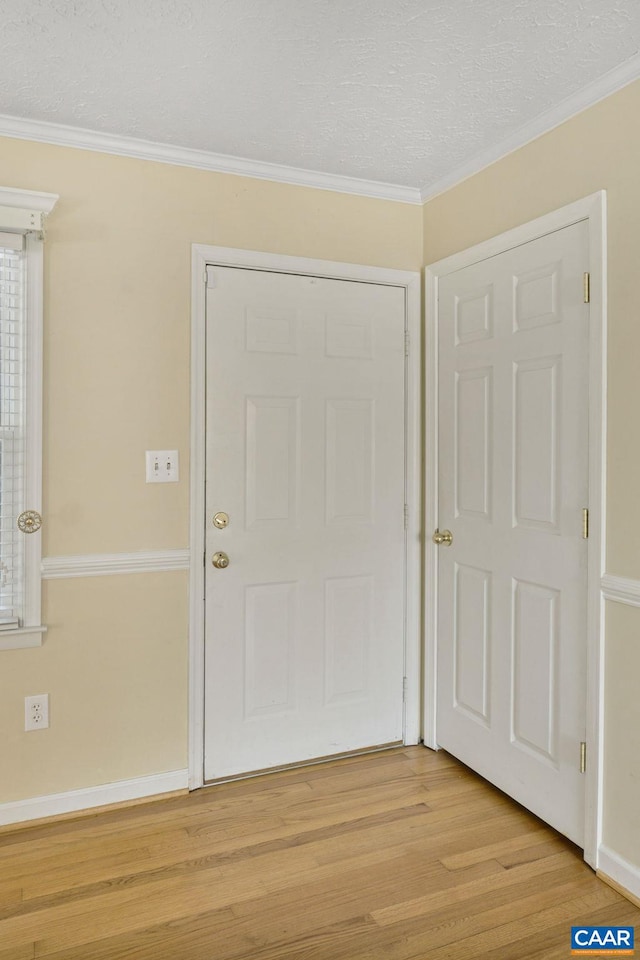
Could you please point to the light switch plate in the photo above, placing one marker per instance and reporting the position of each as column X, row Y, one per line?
column 162, row 466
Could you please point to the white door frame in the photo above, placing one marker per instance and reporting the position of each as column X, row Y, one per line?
column 202, row 256
column 593, row 210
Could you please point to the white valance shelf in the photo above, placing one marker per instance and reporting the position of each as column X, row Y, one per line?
column 23, row 211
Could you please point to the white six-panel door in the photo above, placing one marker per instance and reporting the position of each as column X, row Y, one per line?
column 513, row 483
column 304, row 643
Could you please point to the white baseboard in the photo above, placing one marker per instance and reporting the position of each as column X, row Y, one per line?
column 36, row 808
column 625, row 874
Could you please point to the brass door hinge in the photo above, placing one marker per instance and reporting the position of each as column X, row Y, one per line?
column 583, row 757
column 585, row 523
column 586, row 287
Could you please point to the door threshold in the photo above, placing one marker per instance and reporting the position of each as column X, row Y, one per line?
column 379, row 748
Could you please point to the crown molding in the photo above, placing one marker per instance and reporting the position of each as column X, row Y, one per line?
column 58, row 134
column 43, row 131
column 603, row 87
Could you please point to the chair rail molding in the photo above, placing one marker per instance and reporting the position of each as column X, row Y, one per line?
column 109, row 564
column 621, row 590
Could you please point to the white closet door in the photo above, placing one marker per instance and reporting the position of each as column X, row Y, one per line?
column 513, row 463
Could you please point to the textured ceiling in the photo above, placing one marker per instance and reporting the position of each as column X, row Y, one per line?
column 398, row 91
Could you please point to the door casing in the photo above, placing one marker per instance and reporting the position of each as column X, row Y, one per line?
column 203, row 256
column 593, row 210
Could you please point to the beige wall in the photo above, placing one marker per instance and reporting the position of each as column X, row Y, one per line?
column 622, row 740
column 117, row 383
column 117, row 335
column 114, row 665
column 598, row 149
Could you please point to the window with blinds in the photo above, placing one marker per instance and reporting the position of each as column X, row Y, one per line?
column 12, row 422
column 22, row 216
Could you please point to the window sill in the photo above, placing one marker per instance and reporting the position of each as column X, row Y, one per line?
column 21, row 638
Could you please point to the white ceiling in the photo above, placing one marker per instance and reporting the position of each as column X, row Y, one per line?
column 405, row 92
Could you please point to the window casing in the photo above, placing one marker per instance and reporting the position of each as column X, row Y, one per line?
column 21, row 287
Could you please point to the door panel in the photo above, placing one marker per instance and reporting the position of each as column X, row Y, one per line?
column 473, row 431
column 273, row 460
column 536, row 618
column 513, row 461
column 304, row 646
column 537, row 424
column 471, row 641
column 347, row 639
column 269, row 648
column 350, row 466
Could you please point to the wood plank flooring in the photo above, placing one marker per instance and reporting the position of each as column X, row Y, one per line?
column 396, row 855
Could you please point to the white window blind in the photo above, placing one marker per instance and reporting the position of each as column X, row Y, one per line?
column 22, row 216
column 12, row 428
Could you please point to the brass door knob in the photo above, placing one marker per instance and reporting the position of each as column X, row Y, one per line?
column 445, row 537
column 220, row 560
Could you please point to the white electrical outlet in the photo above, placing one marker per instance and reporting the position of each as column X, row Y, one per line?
column 36, row 712
column 162, row 466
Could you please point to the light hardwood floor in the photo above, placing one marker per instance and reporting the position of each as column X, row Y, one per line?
column 396, row 855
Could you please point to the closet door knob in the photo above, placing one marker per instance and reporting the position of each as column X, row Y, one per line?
column 445, row 537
